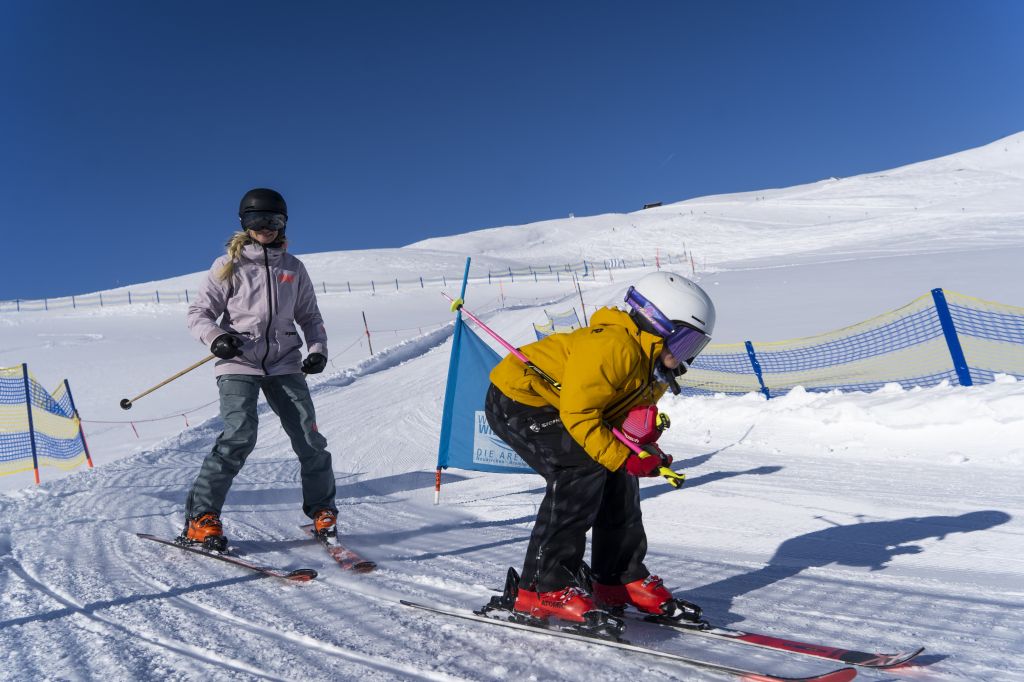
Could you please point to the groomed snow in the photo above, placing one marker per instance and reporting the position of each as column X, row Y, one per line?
column 881, row 521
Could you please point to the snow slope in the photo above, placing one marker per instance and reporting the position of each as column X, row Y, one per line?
column 881, row 520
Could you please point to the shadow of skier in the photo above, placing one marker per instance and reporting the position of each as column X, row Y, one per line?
column 870, row 545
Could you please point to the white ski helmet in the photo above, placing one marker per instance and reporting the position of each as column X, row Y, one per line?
column 679, row 299
column 673, row 307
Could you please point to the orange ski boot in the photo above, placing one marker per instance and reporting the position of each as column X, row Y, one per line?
column 325, row 523
column 206, row 530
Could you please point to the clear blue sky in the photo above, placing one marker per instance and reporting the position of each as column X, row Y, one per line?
column 131, row 129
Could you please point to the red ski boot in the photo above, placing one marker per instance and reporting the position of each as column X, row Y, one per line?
column 570, row 603
column 647, row 595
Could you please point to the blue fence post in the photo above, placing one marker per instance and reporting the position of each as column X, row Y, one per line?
column 129, row 297
column 349, row 285
column 31, row 424
column 421, row 282
column 73, row 304
column 101, row 299
column 963, row 372
column 373, row 286
column 396, row 284
column 157, row 295
column 757, row 369
column 186, row 296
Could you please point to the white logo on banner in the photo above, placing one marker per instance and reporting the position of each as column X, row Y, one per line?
column 490, row 450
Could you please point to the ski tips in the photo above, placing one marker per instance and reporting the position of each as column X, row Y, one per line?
column 302, row 575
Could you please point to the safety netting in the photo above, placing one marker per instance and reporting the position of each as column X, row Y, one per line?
column 557, row 322
column 37, row 427
column 941, row 336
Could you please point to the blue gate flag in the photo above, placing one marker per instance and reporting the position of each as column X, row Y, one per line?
column 467, row 441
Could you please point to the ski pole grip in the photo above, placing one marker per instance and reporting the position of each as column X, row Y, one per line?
column 673, row 478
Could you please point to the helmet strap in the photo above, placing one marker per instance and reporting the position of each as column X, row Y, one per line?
column 642, row 323
column 668, row 376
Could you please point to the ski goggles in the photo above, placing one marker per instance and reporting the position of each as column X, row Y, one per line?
column 264, row 220
column 682, row 341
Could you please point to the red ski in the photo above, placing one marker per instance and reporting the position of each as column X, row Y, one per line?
column 851, row 656
column 300, row 575
column 346, row 558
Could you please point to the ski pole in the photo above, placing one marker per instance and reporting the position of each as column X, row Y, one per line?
column 126, row 404
column 673, row 478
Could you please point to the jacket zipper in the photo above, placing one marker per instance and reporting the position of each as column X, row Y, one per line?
column 270, row 307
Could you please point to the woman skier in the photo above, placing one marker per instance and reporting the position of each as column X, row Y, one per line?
column 259, row 292
column 621, row 362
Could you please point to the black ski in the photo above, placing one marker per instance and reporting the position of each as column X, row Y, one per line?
column 839, row 675
column 298, row 575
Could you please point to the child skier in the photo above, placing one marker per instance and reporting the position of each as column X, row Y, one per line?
column 620, row 362
column 260, row 291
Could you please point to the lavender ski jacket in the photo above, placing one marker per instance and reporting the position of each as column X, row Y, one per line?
column 266, row 295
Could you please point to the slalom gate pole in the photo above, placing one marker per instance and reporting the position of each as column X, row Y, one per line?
column 78, row 418
column 449, row 391
column 126, row 404
column 671, row 477
column 31, row 423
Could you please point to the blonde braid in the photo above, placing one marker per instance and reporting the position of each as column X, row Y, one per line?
column 235, row 244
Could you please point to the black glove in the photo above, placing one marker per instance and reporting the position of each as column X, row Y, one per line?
column 227, row 346
column 314, row 363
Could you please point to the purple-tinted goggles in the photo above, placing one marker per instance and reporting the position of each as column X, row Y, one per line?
column 683, row 341
column 264, row 220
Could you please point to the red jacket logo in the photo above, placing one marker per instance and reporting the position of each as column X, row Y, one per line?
column 286, row 277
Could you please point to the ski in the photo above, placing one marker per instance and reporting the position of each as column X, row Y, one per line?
column 850, row 656
column 839, row 675
column 299, row 575
column 346, row 558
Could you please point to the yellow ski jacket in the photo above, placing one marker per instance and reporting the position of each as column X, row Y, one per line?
column 604, row 369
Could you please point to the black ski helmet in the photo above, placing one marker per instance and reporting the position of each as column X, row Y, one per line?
column 262, row 199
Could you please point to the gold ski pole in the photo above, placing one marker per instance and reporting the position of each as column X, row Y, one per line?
column 126, row 404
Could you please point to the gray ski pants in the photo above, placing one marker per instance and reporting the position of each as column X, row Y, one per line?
column 288, row 396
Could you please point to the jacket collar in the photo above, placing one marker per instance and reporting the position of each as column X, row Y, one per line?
column 651, row 344
column 254, row 252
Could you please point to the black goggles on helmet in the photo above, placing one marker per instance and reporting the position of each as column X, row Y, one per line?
column 264, row 220
column 682, row 341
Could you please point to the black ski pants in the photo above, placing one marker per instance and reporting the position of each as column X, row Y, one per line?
column 580, row 495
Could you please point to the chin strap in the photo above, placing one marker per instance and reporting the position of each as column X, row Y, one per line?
column 669, row 376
